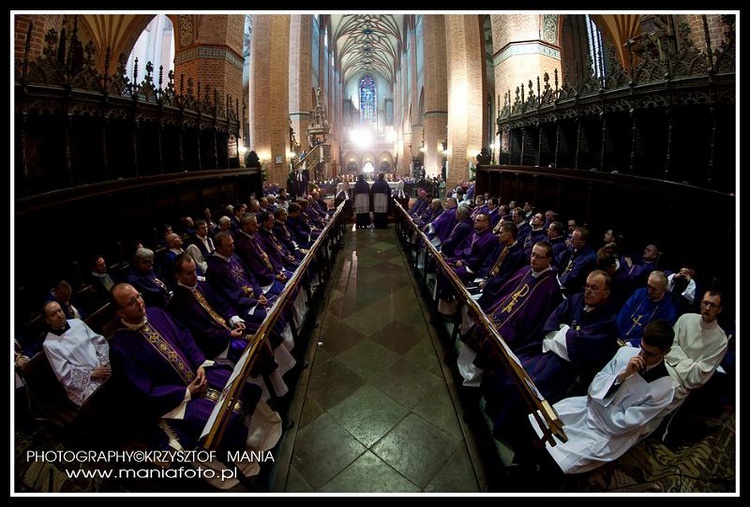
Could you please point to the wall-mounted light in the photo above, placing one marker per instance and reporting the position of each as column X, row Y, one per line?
column 264, row 155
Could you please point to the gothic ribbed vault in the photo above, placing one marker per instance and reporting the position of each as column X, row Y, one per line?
column 368, row 42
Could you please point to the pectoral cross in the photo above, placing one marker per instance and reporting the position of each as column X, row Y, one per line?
column 636, row 323
column 160, row 284
column 570, row 263
column 262, row 253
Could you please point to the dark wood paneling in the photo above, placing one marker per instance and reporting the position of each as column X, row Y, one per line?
column 689, row 224
column 111, row 217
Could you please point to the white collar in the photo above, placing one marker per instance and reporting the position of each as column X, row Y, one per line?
column 136, row 327
column 535, row 274
column 191, row 288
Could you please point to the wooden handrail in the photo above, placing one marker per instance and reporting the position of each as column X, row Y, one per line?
column 219, row 420
column 542, row 410
column 66, row 196
column 618, row 180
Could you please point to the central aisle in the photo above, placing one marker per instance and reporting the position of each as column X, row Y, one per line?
column 374, row 411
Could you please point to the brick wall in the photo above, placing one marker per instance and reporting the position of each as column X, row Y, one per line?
column 716, row 29
column 215, row 57
column 40, row 26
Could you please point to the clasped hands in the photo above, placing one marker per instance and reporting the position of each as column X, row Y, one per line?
column 199, row 384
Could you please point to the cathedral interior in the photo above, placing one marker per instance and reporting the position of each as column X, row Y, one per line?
column 122, row 123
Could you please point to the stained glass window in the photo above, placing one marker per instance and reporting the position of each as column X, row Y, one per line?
column 367, row 101
column 596, row 49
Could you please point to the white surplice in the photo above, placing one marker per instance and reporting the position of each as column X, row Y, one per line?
column 74, row 355
column 603, row 425
column 698, row 349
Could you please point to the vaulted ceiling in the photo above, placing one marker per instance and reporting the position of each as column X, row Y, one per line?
column 368, row 42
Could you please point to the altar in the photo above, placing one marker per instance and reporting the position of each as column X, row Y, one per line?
column 397, row 188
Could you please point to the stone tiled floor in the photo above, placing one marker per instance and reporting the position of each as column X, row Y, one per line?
column 374, row 411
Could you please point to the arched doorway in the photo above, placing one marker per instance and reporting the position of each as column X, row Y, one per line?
column 385, row 167
column 351, row 167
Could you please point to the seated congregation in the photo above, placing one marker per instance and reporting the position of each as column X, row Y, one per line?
column 160, row 338
column 614, row 339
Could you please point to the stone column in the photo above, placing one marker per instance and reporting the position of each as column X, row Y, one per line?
column 524, row 47
column 435, row 116
column 466, row 112
column 413, row 98
column 209, row 49
column 403, row 125
column 269, row 104
column 300, row 75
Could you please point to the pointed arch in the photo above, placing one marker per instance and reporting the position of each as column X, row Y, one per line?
column 155, row 44
column 118, row 34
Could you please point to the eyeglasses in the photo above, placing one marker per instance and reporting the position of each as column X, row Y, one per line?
column 647, row 353
column 133, row 301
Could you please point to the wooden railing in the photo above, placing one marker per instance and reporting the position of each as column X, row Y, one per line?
column 330, row 237
column 668, row 114
column 110, row 218
column 538, row 406
column 76, row 126
column 674, row 216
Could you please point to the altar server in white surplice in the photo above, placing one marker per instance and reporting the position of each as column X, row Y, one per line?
column 700, row 345
column 78, row 356
column 632, row 389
